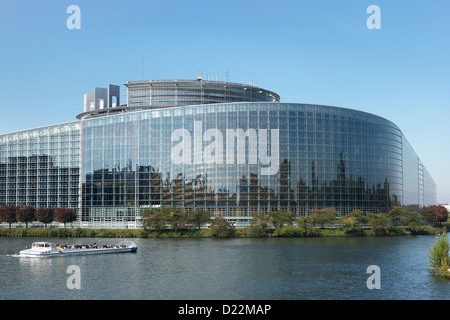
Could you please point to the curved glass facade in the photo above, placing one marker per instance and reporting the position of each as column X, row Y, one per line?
column 234, row 158
column 192, row 92
column 228, row 158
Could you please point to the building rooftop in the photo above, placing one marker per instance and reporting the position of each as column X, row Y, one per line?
column 150, row 94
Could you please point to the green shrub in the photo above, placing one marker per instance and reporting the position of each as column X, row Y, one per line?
column 438, row 257
column 379, row 231
column 332, row 232
column 62, row 233
column 311, row 232
column 78, row 232
column 396, row 231
column 423, row 230
column 90, row 233
column 256, row 232
column 355, row 232
column 288, row 232
column 145, row 233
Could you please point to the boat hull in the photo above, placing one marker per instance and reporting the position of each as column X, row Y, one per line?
column 75, row 252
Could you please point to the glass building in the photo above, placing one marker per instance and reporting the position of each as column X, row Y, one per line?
column 227, row 151
column 41, row 167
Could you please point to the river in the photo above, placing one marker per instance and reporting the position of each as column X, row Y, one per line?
column 235, row 269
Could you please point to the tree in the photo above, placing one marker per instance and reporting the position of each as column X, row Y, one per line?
column 434, row 214
column 281, row 217
column 441, row 214
column 307, row 227
column 428, row 214
column 64, row 215
column 164, row 217
column 176, row 217
column 398, row 213
column 26, row 214
column 404, row 216
column 350, row 222
column 378, row 219
column 411, row 219
column 378, row 222
column 220, row 228
column 356, row 216
column 45, row 215
column 8, row 214
column 260, row 223
column 198, row 217
column 324, row 216
column 438, row 257
column 154, row 219
column 306, row 222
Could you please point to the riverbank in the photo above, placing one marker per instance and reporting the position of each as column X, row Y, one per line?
column 283, row 232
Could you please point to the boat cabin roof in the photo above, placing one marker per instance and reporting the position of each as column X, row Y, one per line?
column 42, row 244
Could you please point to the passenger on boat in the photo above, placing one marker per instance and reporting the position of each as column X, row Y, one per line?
column 88, row 246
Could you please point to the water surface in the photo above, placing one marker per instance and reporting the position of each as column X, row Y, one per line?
column 278, row 269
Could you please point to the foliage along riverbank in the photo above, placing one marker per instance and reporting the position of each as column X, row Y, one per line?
column 167, row 222
column 281, row 232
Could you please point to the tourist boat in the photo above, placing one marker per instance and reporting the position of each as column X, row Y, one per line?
column 49, row 249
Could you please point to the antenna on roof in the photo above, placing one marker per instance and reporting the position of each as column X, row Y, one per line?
column 143, row 69
column 228, row 76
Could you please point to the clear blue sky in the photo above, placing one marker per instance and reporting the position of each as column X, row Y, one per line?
column 317, row 51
